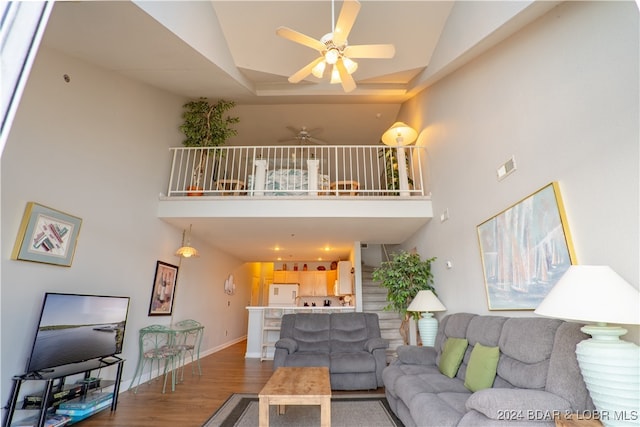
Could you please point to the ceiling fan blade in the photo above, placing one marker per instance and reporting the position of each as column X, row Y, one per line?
column 346, row 19
column 348, row 84
column 370, row 51
column 303, row 39
column 305, row 71
column 293, row 129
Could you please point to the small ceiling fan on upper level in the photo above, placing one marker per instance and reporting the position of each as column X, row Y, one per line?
column 334, row 49
column 303, row 135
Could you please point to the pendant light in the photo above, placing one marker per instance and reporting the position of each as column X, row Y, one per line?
column 187, row 251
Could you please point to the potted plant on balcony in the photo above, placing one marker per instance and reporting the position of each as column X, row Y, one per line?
column 403, row 276
column 205, row 125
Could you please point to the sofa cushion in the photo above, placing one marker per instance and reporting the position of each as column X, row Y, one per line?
column 412, row 354
column 360, row 361
column 486, row 330
column 516, row 404
column 308, row 358
column 348, row 332
column 481, row 370
column 565, row 378
column 408, row 386
column 311, row 331
column 431, row 409
column 452, row 354
column 526, row 345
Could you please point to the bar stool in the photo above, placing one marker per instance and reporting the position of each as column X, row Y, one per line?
column 157, row 344
column 188, row 339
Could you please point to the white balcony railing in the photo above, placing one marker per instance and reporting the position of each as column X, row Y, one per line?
column 297, row 171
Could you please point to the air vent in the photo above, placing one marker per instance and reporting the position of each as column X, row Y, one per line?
column 507, row 168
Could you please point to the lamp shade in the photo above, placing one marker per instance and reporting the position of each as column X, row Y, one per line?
column 426, row 301
column 399, row 134
column 187, row 252
column 592, row 293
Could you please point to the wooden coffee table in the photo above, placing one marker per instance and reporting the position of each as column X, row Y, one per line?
column 296, row 386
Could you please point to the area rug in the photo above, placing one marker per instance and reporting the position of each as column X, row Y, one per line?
column 241, row 410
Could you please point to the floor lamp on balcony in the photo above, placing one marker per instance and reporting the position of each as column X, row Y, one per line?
column 610, row 366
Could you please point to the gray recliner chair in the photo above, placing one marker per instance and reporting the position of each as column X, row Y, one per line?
column 349, row 344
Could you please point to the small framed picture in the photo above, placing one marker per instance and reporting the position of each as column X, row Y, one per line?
column 46, row 235
column 164, row 289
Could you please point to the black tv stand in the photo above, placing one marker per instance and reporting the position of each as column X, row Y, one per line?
column 60, row 373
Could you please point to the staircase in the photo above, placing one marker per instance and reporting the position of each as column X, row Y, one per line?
column 374, row 299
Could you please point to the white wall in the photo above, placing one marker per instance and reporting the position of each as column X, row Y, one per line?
column 562, row 96
column 96, row 147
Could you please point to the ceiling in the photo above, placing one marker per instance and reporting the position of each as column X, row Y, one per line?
column 229, row 50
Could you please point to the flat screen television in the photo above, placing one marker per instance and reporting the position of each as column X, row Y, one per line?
column 75, row 328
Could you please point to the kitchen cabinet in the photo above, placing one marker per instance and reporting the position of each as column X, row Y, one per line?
column 312, row 283
column 344, row 283
column 282, row 276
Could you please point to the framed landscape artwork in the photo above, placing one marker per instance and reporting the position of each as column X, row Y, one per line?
column 525, row 249
column 164, row 289
column 46, row 235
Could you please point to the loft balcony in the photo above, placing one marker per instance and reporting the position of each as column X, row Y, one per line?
column 307, row 171
column 362, row 193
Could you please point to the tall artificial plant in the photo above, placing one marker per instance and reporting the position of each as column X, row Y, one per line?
column 403, row 276
column 206, row 125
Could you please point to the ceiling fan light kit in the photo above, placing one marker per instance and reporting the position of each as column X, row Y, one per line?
column 334, row 50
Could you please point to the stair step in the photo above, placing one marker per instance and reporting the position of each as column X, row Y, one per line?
column 374, row 300
column 383, row 315
column 375, row 306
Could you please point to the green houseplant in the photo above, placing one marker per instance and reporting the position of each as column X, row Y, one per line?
column 403, row 276
column 206, row 125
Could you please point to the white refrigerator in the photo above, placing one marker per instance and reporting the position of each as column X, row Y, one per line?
column 283, row 294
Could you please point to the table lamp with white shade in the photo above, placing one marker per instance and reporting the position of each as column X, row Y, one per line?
column 425, row 302
column 610, row 366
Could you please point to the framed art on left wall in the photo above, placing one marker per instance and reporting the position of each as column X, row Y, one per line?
column 46, row 235
column 164, row 289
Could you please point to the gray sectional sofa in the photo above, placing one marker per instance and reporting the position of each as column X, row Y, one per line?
column 349, row 344
column 536, row 378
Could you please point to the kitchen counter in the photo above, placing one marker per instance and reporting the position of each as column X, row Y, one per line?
column 264, row 326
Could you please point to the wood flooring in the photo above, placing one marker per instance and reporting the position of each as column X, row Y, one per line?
column 195, row 399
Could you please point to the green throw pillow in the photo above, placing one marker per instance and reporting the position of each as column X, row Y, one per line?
column 452, row 355
column 481, row 370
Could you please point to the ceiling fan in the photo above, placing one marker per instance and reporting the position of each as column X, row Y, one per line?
column 334, row 49
column 303, row 135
